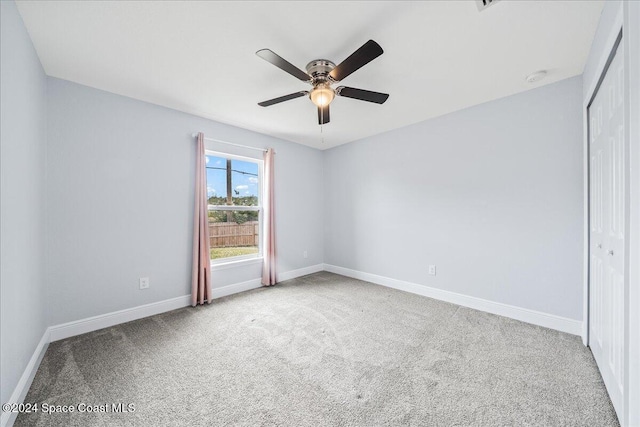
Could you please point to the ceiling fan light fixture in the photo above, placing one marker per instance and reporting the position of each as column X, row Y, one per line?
column 322, row 95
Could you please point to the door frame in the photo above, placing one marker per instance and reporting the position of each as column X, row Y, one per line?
column 632, row 62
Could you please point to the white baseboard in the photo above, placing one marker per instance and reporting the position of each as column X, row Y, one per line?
column 256, row 283
column 94, row 323
column 90, row 324
column 20, row 392
column 288, row 275
column 551, row 321
column 236, row 288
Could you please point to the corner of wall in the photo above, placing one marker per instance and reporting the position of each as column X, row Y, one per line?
column 24, row 136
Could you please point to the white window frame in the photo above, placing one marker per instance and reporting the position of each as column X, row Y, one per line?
column 241, row 259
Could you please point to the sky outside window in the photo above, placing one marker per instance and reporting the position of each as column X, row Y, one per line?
column 244, row 177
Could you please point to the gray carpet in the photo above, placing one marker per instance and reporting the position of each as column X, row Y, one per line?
column 323, row 350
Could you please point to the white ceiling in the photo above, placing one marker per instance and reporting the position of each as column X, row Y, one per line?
column 199, row 56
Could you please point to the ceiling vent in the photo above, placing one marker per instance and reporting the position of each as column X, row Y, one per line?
column 483, row 4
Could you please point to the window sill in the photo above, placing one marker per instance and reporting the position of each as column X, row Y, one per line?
column 232, row 264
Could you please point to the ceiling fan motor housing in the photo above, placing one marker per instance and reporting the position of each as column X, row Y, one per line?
column 319, row 70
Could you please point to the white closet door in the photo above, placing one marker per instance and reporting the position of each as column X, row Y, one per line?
column 607, row 233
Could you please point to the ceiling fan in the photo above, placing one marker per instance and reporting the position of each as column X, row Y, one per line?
column 322, row 73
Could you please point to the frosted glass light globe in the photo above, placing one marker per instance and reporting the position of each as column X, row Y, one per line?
column 322, row 96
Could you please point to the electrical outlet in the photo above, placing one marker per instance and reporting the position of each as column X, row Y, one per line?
column 432, row 270
column 144, row 283
column 304, row 254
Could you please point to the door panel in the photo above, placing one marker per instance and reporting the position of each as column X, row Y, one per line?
column 607, row 228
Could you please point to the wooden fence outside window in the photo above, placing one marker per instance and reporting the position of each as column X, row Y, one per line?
column 231, row 234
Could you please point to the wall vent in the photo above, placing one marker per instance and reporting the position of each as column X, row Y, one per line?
column 483, row 4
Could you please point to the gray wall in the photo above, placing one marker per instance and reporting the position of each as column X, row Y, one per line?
column 492, row 195
column 22, row 203
column 120, row 201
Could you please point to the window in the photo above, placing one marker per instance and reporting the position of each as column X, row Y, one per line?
column 234, row 194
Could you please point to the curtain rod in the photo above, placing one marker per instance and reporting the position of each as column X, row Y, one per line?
column 194, row 135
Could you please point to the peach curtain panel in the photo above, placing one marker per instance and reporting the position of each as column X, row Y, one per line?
column 269, row 252
column 201, row 271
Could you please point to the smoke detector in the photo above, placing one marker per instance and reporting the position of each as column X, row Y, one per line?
column 483, row 4
column 537, row 76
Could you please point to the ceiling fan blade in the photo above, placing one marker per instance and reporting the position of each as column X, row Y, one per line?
column 362, row 95
column 365, row 54
column 282, row 98
column 323, row 115
column 283, row 64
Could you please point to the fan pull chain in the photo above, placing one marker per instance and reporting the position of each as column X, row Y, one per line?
column 321, row 134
